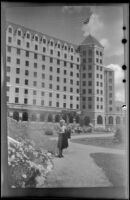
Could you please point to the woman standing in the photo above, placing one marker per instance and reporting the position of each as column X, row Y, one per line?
column 62, row 139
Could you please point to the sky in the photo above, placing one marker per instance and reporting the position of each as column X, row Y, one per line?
column 65, row 22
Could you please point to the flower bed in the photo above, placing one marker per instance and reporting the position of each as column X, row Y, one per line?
column 28, row 166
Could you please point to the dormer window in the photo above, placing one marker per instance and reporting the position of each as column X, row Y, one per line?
column 59, row 46
column 19, row 32
column 28, row 35
column 72, row 49
column 51, row 43
column 36, row 38
column 44, row 41
column 10, row 30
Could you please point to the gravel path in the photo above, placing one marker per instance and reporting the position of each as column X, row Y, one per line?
column 78, row 169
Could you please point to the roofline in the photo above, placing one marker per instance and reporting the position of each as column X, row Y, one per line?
column 29, row 29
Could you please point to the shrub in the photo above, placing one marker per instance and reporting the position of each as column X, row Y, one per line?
column 118, row 136
column 48, row 132
column 87, row 130
column 100, row 129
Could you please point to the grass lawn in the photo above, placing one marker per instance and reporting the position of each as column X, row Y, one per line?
column 102, row 142
column 113, row 166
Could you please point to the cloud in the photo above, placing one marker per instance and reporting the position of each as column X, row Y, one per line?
column 119, row 86
column 105, row 43
column 94, row 25
column 72, row 9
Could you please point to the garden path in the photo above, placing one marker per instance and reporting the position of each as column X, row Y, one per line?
column 78, row 169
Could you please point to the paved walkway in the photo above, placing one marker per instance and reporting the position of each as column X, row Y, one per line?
column 78, row 169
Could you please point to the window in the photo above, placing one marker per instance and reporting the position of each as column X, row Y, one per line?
column 35, row 65
column 71, row 57
column 100, row 76
column 18, row 42
column 58, row 70
column 18, row 61
column 9, row 39
column 97, row 67
column 19, row 33
column 71, row 89
column 71, row 105
column 8, row 79
column 71, row 97
column 44, row 49
column 28, row 35
column 97, row 53
column 97, row 91
column 36, row 38
column 89, row 75
column 65, row 72
column 35, row 74
column 89, row 83
column 77, row 106
column 110, row 102
column 65, row 63
column 50, row 86
column 84, row 60
column 16, row 99
column 64, row 105
column 101, row 91
column 110, row 87
column 89, row 67
column 51, row 77
column 17, row 71
column 89, row 98
column 57, row 104
column 110, row 109
column 83, row 106
column 77, row 98
column 34, row 101
column 27, row 53
column 50, row 103
column 71, row 73
column 110, row 80
column 101, row 84
column 84, row 67
column 97, row 83
column 18, row 51
column 65, row 47
column 78, row 75
column 51, row 43
column 101, row 99
column 77, row 90
column 34, row 83
column 84, row 91
column 96, row 59
column 90, row 52
column 57, row 95
column 43, row 84
column 65, row 55
column 84, row 83
column 64, row 88
column 84, row 75
column 64, row 96
column 27, row 44
column 77, row 66
column 89, row 106
column 26, row 82
column 34, row 92
column 100, row 68
column 110, row 94
column 43, row 58
column 51, row 69
column 64, row 80
column 97, row 98
column 97, row 75
column 83, row 98
column 77, row 59
column 25, row 91
column 89, row 91
column 72, row 49
column 36, row 47
column 16, row 90
column 44, row 41
column 71, row 65
column 58, row 53
column 8, row 69
column 58, row 78
column 35, row 55
column 17, row 80
column 26, row 72
column 97, row 106
column 43, row 76
column 100, row 53
column 25, row 101
column 26, row 63
column 42, row 93
column 100, row 61
column 51, row 52
column 89, row 60
column 43, row 67
column 51, row 60
column 77, row 82
column 10, row 30
column 59, row 46
column 50, row 94
column 58, row 62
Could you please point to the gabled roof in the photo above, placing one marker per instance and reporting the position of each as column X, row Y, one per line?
column 90, row 40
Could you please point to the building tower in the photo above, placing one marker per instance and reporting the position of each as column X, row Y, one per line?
column 92, row 82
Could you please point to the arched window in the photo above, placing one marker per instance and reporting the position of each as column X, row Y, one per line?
column 51, row 42
column 25, row 116
column 28, row 35
column 118, row 120
column 99, row 120
column 42, row 117
column 50, row 118
column 16, row 115
column 19, row 32
column 10, row 29
column 86, row 120
column 36, row 38
column 44, row 40
column 110, row 119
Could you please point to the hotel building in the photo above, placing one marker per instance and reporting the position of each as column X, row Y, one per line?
column 46, row 75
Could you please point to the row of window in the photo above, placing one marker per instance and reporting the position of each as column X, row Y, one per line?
column 84, row 75
column 90, row 91
column 90, row 60
column 90, row 99
column 90, row 52
column 27, row 53
column 42, row 103
column 36, row 38
column 43, row 59
column 90, row 106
